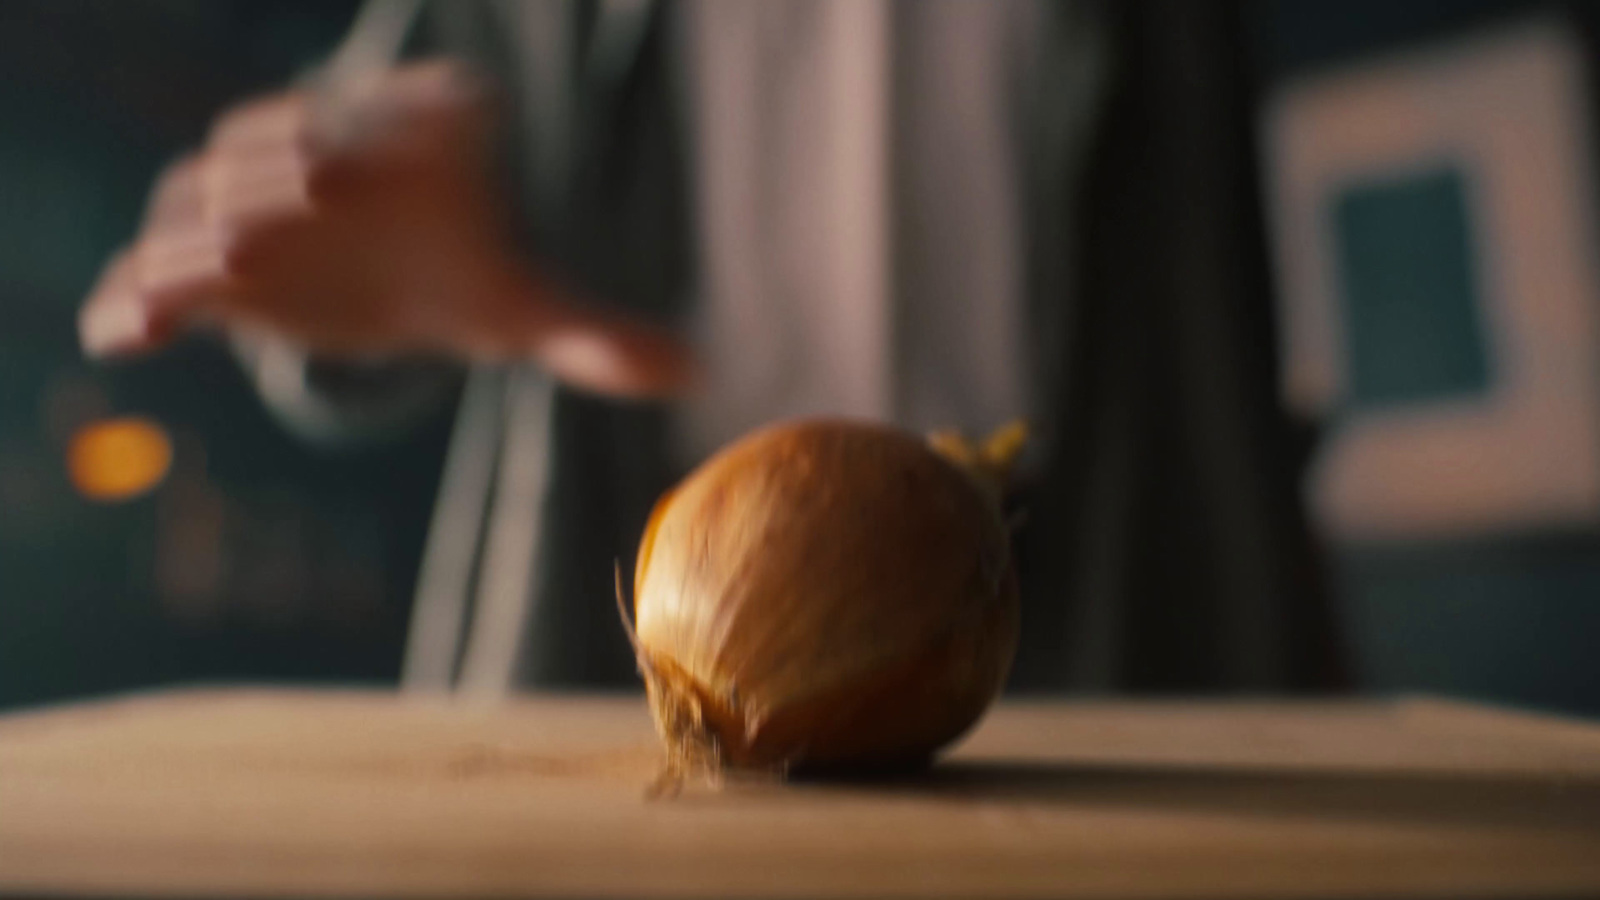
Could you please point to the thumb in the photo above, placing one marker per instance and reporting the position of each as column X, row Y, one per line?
column 615, row 357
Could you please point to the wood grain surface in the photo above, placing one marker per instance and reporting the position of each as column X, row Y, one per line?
column 343, row 794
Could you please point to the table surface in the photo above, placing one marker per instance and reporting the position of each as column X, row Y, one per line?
column 267, row 793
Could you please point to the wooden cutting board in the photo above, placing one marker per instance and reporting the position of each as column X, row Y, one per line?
column 345, row 794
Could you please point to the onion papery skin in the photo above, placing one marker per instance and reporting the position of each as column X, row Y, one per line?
column 823, row 595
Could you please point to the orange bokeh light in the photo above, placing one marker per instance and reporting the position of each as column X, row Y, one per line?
column 118, row 459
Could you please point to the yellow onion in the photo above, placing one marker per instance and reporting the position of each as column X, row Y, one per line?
column 827, row 595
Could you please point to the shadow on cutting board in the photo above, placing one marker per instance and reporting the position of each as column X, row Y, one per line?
column 1475, row 800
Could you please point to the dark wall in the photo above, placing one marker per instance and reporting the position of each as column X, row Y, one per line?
column 258, row 557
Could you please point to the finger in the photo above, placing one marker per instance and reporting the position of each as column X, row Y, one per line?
column 446, row 102
column 241, row 187
column 117, row 274
column 175, row 201
column 400, row 110
column 111, row 321
column 598, row 362
column 114, row 325
column 437, row 86
column 175, row 277
column 414, row 89
column 167, row 263
column 118, row 320
column 614, row 357
column 279, row 120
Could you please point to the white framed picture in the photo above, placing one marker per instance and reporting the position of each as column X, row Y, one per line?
column 1433, row 221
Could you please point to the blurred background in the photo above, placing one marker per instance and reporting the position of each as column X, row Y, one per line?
column 256, row 556
column 1335, row 256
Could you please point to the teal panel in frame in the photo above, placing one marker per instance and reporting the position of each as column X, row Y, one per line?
column 1410, row 300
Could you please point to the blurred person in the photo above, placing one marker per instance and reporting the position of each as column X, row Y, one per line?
column 720, row 214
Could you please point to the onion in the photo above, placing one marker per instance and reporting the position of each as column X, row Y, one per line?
column 826, row 595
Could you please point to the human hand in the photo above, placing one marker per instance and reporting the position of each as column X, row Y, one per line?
column 370, row 231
